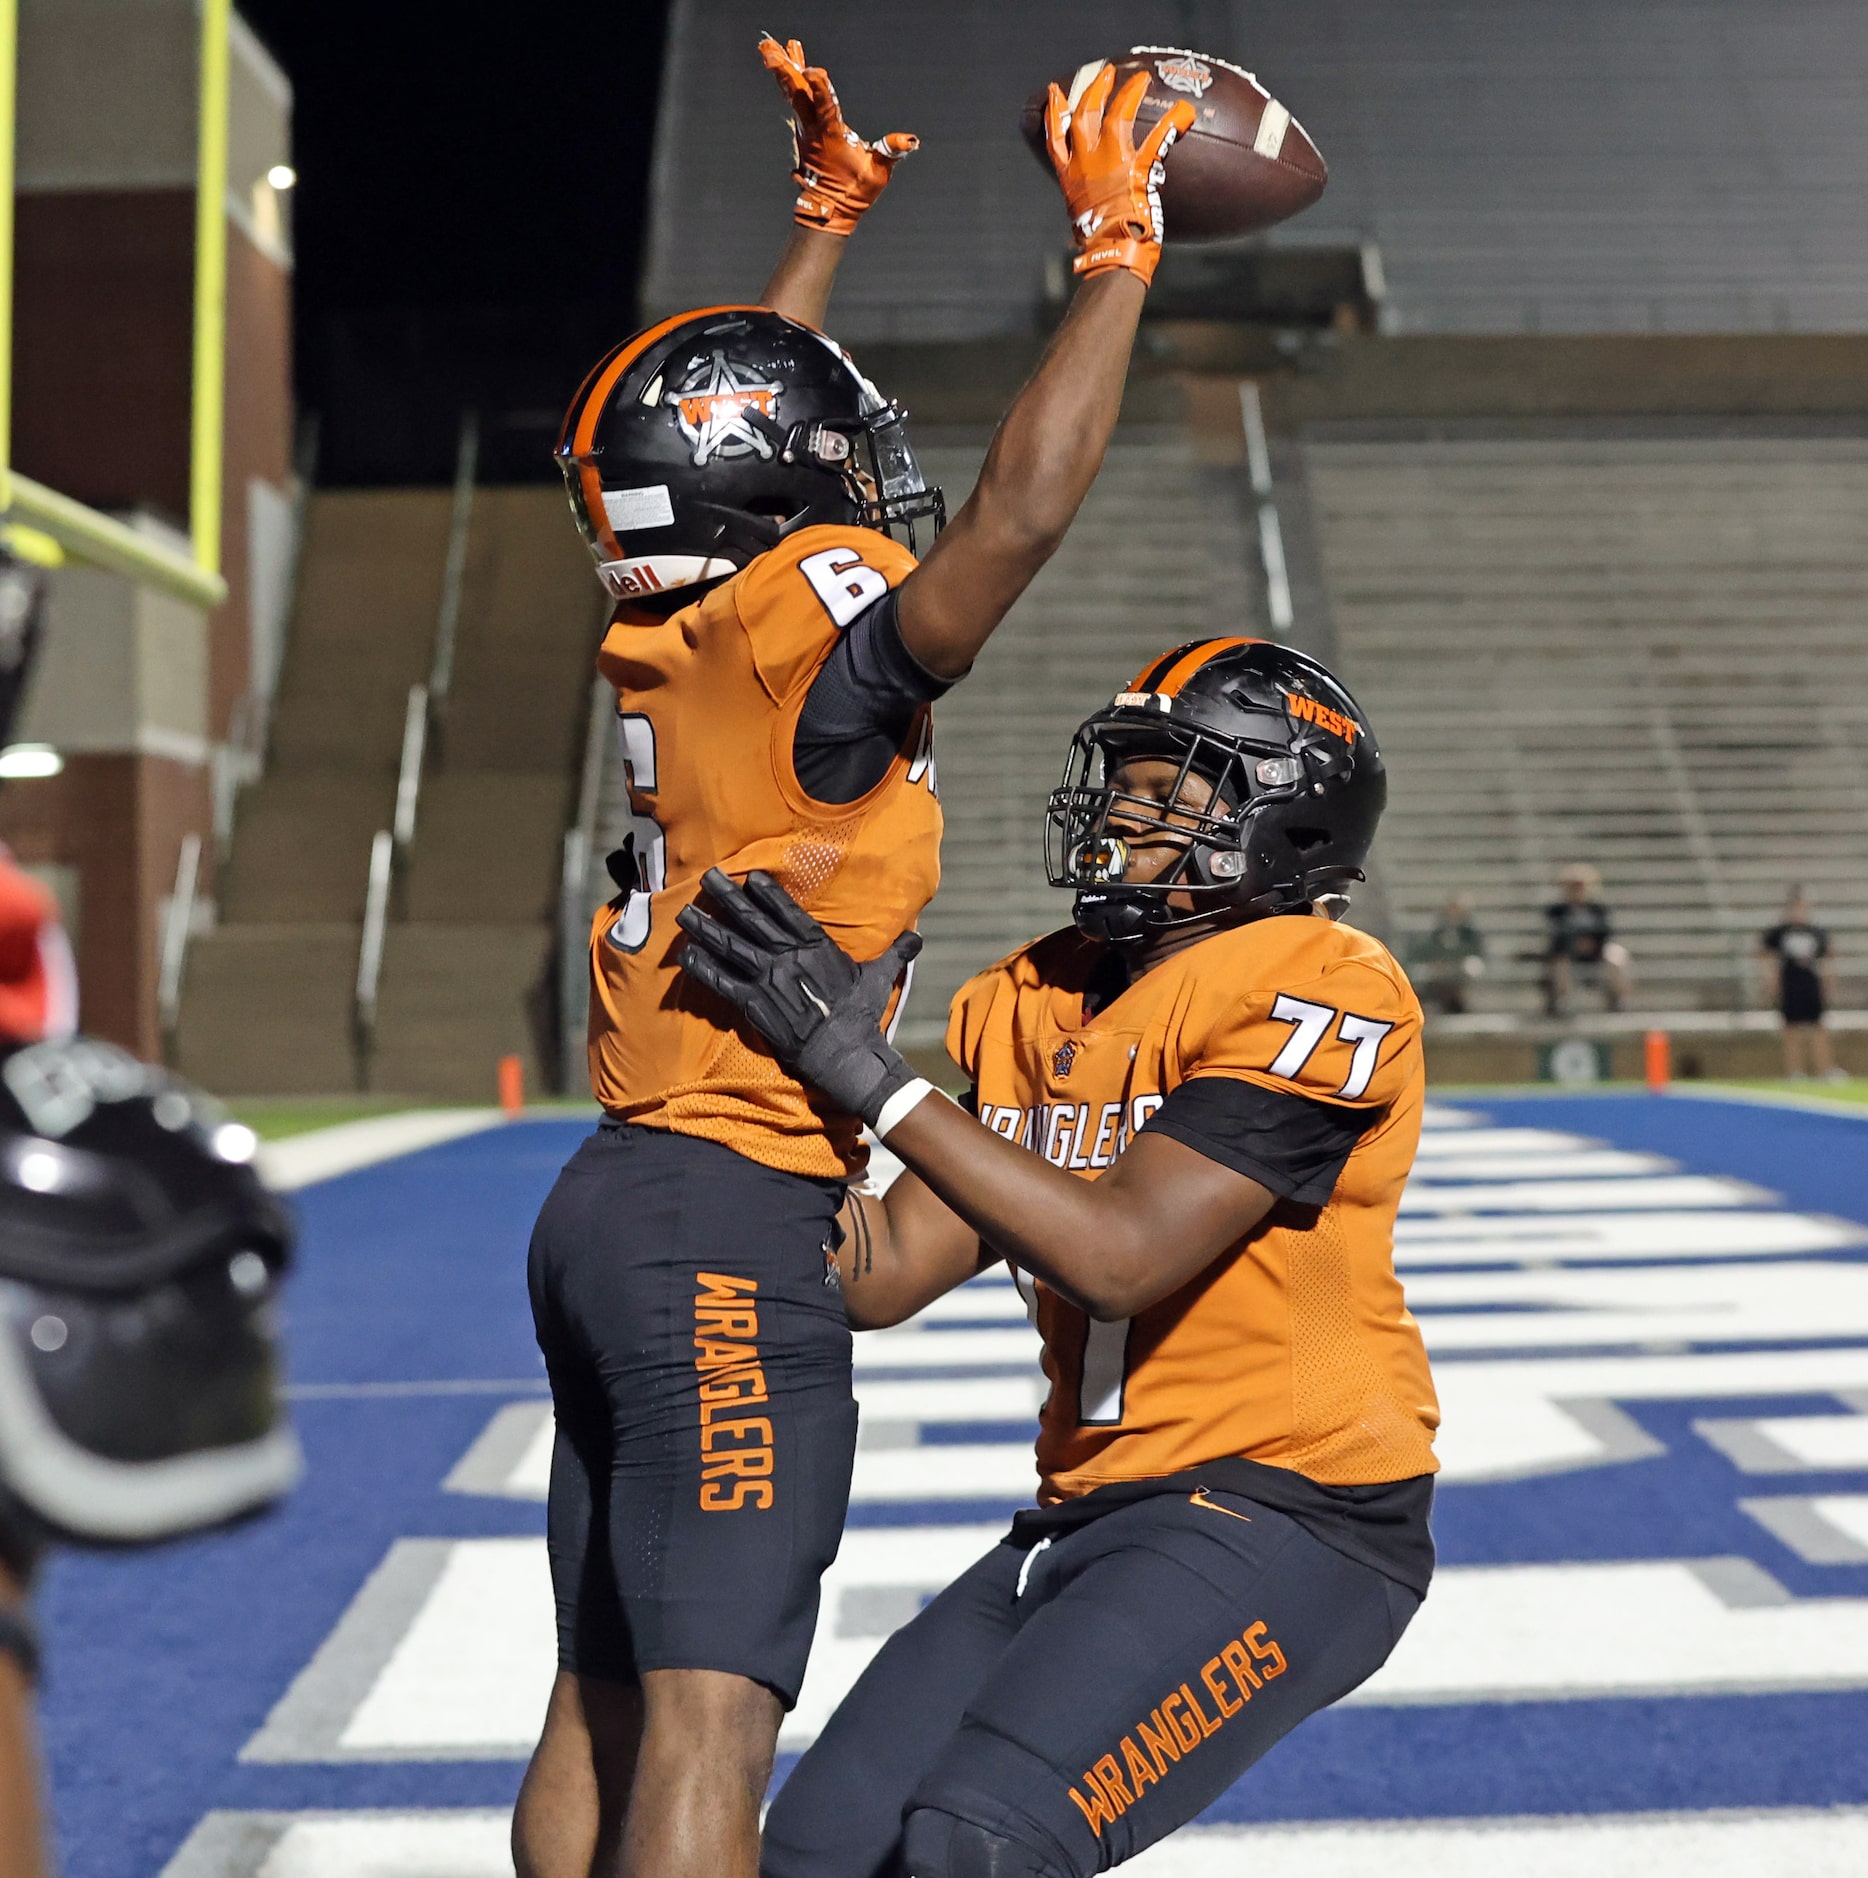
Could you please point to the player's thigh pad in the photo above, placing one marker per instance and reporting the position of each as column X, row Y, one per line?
column 1168, row 1646
column 700, row 1365
column 839, row 1813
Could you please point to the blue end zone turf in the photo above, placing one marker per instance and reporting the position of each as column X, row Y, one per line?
column 161, row 1668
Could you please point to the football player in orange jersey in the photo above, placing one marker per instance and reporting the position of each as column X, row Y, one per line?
column 774, row 653
column 1192, row 1118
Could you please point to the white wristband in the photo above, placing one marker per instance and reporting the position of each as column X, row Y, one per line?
column 908, row 1096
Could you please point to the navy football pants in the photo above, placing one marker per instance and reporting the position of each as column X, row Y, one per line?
column 1084, row 1699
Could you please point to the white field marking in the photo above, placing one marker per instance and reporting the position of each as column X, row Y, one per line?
column 511, row 1458
column 472, row 1672
column 1513, row 1419
column 910, row 1561
column 1499, row 1239
column 1493, row 1633
column 532, row 1476
column 1828, row 1842
column 431, row 1843
column 996, row 1470
column 908, row 1348
column 324, row 1153
column 1436, row 1144
column 1576, row 1164
column 957, row 1399
column 470, row 1675
column 1732, row 1303
column 474, row 1668
column 1819, row 1442
column 976, row 1303
column 1500, row 1421
column 1846, row 1512
column 1438, row 1115
column 1669, row 1191
column 1823, row 1529
column 415, row 1845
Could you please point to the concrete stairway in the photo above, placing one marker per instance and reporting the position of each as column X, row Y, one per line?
column 1158, row 555
column 469, row 965
column 1645, row 653
column 266, row 1005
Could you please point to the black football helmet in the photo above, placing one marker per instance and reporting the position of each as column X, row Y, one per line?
column 701, row 442
column 139, row 1258
column 1297, row 789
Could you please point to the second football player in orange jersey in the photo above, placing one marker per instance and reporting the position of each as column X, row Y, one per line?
column 1194, row 1114
column 774, row 653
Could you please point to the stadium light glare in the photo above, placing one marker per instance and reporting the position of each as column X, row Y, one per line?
column 282, row 176
column 21, row 761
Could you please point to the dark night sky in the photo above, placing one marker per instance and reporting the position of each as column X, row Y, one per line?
column 468, row 214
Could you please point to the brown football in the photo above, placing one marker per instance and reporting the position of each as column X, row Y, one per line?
column 1245, row 164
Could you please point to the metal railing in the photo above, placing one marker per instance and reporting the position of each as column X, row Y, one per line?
column 177, row 926
column 370, row 951
column 423, row 718
column 409, row 770
column 574, row 907
column 454, row 571
column 1278, row 607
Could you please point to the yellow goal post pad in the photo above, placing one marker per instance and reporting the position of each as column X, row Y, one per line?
column 40, row 523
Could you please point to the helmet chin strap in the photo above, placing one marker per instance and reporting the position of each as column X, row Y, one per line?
column 1118, row 916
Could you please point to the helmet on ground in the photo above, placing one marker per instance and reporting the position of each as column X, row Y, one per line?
column 1294, row 786
column 139, row 1257
column 703, row 441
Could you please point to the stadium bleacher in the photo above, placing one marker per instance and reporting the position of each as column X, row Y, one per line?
column 268, row 1000
column 1644, row 652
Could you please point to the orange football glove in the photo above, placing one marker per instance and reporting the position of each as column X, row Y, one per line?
column 1111, row 188
column 838, row 175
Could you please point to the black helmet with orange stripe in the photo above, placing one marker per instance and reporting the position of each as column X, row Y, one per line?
column 703, row 441
column 1247, row 762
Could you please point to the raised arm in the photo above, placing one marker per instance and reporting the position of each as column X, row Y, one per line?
column 1050, row 444
column 839, row 177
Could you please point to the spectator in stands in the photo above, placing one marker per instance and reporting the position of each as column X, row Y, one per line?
column 1796, row 949
column 1582, row 947
column 1450, row 957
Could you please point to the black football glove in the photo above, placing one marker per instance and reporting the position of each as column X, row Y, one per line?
column 819, row 1010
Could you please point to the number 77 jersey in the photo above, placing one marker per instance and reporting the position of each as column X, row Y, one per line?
column 1294, row 1348
column 707, row 704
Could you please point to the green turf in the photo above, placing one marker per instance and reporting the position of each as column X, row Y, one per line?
column 1854, row 1090
column 297, row 1115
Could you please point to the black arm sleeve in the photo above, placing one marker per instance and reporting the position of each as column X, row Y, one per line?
column 1288, row 1143
column 860, row 708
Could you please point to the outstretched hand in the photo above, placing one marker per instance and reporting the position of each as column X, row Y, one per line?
column 839, row 176
column 1112, row 186
column 817, row 1007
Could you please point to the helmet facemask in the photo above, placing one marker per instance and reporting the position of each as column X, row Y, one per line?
column 1207, row 793
column 876, row 465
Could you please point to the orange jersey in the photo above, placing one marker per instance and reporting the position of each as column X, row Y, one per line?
column 1295, row 1347
column 708, row 701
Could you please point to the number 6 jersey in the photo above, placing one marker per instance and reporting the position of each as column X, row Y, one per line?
column 708, row 701
column 1294, row 1348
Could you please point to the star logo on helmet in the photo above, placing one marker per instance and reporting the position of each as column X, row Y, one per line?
column 712, row 408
